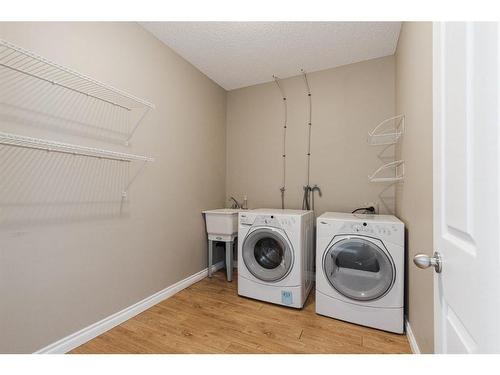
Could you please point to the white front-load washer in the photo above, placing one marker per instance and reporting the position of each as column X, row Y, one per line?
column 360, row 269
column 276, row 255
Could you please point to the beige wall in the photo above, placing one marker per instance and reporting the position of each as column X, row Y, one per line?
column 414, row 197
column 347, row 102
column 69, row 262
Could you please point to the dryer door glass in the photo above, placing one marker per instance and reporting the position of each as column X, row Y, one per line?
column 267, row 254
column 359, row 269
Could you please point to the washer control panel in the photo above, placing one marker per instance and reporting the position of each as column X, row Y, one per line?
column 246, row 219
column 267, row 220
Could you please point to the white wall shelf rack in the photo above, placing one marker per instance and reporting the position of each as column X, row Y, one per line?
column 390, row 172
column 388, row 131
column 67, row 148
column 24, row 62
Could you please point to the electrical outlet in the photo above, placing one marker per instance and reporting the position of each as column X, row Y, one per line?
column 372, row 204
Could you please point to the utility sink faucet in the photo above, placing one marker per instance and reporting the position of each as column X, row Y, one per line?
column 235, row 203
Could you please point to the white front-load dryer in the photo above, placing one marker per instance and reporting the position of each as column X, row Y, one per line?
column 360, row 269
column 276, row 255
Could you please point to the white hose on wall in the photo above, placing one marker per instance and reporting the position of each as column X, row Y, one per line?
column 283, row 154
column 306, row 204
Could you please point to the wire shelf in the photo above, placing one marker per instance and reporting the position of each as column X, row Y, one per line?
column 384, row 135
column 67, row 148
column 390, row 172
column 34, row 68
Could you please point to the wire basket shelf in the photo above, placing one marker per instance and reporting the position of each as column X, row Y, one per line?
column 390, row 172
column 384, row 134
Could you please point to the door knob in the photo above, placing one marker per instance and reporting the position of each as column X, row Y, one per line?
column 425, row 261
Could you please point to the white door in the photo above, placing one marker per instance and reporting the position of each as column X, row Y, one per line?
column 466, row 187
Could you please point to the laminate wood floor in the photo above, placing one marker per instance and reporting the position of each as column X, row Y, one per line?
column 210, row 317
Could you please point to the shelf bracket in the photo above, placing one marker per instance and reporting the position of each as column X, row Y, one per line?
column 131, row 181
column 146, row 110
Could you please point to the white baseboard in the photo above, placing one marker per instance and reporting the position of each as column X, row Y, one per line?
column 88, row 333
column 411, row 338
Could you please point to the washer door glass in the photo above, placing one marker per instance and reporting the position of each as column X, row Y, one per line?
column 358, row 269
column 267, row 254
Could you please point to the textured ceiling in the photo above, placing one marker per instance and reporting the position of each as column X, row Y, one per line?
column 239, row 54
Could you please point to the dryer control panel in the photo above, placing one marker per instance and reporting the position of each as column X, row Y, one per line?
column 373, row 229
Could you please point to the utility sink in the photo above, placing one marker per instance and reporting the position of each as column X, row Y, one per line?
column 222, row 223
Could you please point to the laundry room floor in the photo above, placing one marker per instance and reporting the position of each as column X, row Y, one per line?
column 209, row 317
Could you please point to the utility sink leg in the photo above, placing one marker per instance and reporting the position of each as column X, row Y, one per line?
column 229, row 260
column 210, row 254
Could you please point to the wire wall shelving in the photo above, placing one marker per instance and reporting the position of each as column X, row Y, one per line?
column 30, row 78
column 390, row 172
column 20, row 141
column 384, row 135
column 387, row 133
column 67, row 148
column 21, row 62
